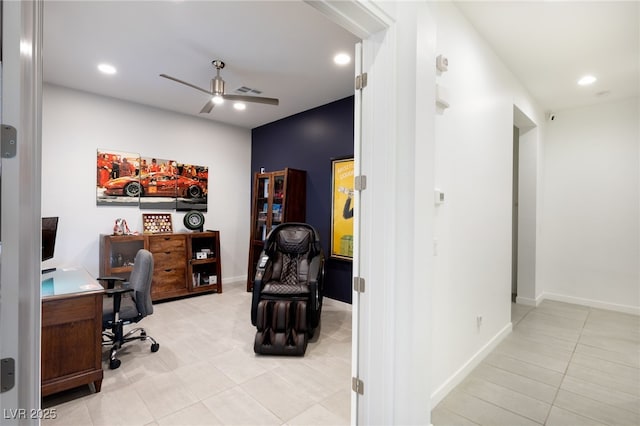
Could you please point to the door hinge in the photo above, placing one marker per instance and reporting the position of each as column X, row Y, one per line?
column 360, row 182
column 357, row 385
column 358, row 284
column 361, row 81
column 9, row 142
column 7, row 374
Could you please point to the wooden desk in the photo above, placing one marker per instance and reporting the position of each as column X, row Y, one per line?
column 71, row 331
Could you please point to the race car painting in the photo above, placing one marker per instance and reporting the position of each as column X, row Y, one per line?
column 156, row 184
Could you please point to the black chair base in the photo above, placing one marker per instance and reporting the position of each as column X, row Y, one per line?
column 115, row 338
column 282, row 328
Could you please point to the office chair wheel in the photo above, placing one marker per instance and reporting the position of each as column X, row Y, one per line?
column 155, row 347
column 114, row 363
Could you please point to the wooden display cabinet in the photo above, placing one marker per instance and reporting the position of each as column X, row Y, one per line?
column 204, row 262
column 117, row 253
column 278, row 197
column 184, row 263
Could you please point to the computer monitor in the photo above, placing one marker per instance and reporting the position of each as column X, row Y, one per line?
column 49, row 231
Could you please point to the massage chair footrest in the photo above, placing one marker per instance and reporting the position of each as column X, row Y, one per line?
column 282, row 327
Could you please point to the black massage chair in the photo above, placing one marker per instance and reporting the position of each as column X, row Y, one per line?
column 288, row 289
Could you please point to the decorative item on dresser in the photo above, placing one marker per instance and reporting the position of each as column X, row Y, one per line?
column 278, row 197
column 176, row 261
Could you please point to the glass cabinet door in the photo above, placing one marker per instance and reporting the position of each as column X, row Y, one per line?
column 261, row 208
column 278, row 200
column 123, row 251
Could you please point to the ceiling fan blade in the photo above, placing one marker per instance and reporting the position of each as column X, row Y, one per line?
column 255, row 99
column 207, row 107
column 186, row 84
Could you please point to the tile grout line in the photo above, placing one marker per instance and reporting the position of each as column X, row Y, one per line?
column 458, row 414
column 564, row 374
column 518, row 391
column 498, row 406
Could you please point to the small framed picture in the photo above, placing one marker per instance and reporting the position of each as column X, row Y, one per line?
column 157, row 223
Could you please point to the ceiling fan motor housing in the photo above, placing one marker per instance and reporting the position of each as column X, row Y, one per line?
column 217, row 85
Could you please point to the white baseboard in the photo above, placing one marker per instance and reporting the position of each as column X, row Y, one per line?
column 234, row 280
column 457, row 377
column 627, row 309
column 528, row 301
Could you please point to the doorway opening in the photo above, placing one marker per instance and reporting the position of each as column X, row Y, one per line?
column 524, row 206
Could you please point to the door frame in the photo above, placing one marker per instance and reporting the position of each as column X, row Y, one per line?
column 392, row 318
column 528, row 142
column 20, row 206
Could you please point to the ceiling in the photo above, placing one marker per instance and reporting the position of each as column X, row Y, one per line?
column 284, row 49
column 549, row 45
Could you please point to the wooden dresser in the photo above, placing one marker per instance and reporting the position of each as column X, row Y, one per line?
column 184, row 263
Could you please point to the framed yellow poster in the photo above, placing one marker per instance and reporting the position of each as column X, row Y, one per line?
column 342, row 208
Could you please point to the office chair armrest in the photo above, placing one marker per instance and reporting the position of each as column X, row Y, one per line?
column 119, row 290
column 111, row 281
column 117, row 296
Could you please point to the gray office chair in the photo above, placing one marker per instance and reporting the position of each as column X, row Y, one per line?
column 127, row 304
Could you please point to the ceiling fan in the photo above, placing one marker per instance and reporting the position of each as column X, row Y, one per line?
column 217, row 91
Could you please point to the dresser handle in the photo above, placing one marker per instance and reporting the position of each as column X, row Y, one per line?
column 168, row 270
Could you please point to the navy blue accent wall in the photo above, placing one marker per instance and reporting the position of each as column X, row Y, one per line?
column 308, row 141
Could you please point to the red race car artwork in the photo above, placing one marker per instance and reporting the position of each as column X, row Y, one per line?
column 158, row 184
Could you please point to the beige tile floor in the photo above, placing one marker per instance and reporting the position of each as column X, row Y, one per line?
column 563, row 365
column 206, row 373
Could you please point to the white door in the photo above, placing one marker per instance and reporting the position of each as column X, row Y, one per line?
column 20, row 210
column 355, row 304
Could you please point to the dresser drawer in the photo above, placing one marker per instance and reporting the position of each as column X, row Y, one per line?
column 168, row 259
column 168, row 280
column 177, row 243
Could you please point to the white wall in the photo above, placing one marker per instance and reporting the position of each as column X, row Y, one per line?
column 76, row 124
column 474, row 143
column 590, row 219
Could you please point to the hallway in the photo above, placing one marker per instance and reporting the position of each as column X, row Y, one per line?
column 563, row 364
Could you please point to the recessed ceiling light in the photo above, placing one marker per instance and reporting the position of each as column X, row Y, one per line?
column 107, row 69
column 587, row 80
column 342, row 59
column 217, row 99
column 240, row 106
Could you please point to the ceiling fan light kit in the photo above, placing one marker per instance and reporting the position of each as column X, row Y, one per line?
column 217, row 91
